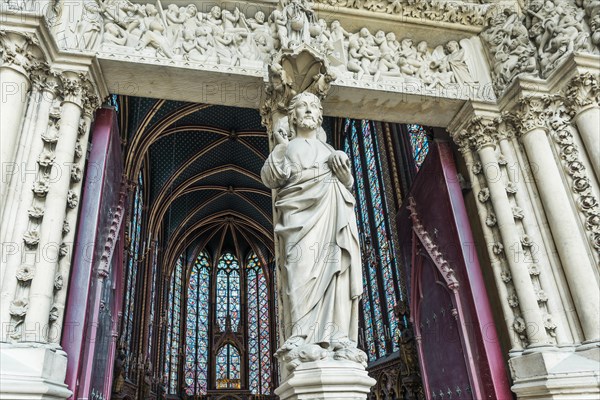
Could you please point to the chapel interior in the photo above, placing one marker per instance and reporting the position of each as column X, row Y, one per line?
column 199, row 315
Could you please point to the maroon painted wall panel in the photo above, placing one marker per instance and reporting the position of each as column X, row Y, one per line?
column 92, row 302
column 440, row 206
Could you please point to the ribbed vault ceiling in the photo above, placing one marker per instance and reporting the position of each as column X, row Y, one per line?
column 202, row 184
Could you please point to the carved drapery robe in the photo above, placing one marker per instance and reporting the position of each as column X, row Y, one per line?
column 318, row 247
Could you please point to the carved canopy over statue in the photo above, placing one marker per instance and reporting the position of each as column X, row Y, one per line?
column 318, row 249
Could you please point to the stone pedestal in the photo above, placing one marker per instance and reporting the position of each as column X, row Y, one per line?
column 560, row 374
column 327, row 379
column 32, row 371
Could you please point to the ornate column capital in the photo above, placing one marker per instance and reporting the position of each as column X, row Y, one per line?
column 476, row 134
column 583, row 91
column 532, row 112
column 52, row 82
column 91, row 102
column 20, row 51
column 72, row 87
column 39, row 74
column 505, row 128
column 77, row 88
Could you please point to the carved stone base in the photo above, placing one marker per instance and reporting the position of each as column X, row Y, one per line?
column 557, row 374
column 32, row 371
column 326, row 379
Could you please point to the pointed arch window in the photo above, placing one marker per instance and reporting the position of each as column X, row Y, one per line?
column 196, row 341
column 259, row 335
column 134, row 254
column 419, row 143
column 228, row 367
column 224, row 284
column 380, row 275
column 174, row 327
column 228, row 293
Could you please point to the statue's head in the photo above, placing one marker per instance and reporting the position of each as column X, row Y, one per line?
column 452, row 46
column 305, row 111
column 191, row 10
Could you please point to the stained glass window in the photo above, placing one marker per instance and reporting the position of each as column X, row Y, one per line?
column 174, row 327
column 134, row 255
column 379, row 269
column 228, row 293
column 196, row 340
column 153, row 283
column 228, row 367
column 259, row 339
column 419, row 143
column 188, row 342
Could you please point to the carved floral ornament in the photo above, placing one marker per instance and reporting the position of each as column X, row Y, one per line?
column 583, row 91
column 479, row 132
column 20, row 51
column 582, row 191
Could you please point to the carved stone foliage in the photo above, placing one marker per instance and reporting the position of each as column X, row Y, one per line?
column 456, row 12
column 511, row 52
column 185, row 35
column 558, row 28
column 532, row 113
column 19, row 51
column 582, row 91
column 479, row 132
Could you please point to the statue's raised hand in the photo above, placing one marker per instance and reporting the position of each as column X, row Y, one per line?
column 281, row 136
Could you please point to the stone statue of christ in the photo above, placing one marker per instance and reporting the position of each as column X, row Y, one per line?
column 318, row 249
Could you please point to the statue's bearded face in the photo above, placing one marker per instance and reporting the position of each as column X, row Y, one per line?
column 307, row 114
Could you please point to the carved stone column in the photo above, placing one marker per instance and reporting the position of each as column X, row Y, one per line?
column 583, row 96
column 18, row 54
column 531, row 120
column 500, row 269
column 480, row 134
column 522, row 250
column 58, row 199
column 45, row 130
column 547, row 292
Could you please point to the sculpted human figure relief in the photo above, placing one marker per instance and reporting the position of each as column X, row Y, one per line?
column 318, row 249
column 231, row 39
column 510, row 48
column 558, row 28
